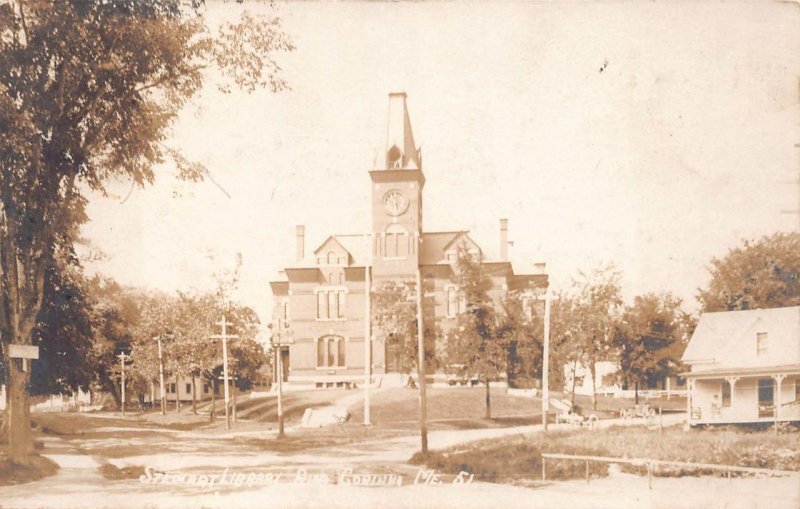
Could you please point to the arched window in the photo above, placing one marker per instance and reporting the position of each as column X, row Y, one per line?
column 331, row 352
column 396, row 241
column 331, row 257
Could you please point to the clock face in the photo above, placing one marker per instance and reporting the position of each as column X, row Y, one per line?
column 395, row 202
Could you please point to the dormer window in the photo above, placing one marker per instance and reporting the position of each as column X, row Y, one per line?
column 761, row 343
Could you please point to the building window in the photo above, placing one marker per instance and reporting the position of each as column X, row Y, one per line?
column 330, row 304
column 726, row 394
column 188, row 388
column 205, row 388
column 341, row 278
column 331, row 258
column 331, row 352
column 761, row 343
column 285, row 311
column 172, row 388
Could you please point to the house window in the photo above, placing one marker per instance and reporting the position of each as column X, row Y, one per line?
column 172, row 388
column 285, row 311
column 188, row 388
column 726, row 394
column 766, row 398
column 331, row 352
column 761, row 343
column 341, row 278
column 205, row 388
column 331, row 258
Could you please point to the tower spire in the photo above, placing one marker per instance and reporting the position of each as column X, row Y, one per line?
column 401, row 152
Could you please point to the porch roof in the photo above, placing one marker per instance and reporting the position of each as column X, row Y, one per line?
column 787, row 369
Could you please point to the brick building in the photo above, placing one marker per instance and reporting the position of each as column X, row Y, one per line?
column 321, row 297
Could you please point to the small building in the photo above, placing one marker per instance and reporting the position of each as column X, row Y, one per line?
column 745, row 367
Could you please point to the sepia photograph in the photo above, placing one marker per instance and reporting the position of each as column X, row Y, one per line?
column 399, row 254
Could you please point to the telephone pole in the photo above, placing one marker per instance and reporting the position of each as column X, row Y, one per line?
column 122, row 359
column 225, row 337
column 423, row 402
column 161, row 376
column 546, row 359
column 277, row 340
column 367, row 334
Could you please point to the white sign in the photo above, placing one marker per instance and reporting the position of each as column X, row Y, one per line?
column 23, row 351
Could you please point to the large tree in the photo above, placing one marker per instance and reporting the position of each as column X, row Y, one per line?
column 648, row 340
column 758, row 274
column 474, row 346
column 521, row 326
column 394, row 313
column 598, row 304
column 88, row 91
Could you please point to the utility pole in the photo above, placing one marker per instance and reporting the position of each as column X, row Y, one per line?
column 367, row 333
column 277, row 345
column 122, row 359
column 161, row 376
column 423, row 402
column 225, row 337
column 546, row 359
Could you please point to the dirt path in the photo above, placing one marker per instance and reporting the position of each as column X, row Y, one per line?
column 79, row 484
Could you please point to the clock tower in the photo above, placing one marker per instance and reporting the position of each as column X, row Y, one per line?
column 397, row 198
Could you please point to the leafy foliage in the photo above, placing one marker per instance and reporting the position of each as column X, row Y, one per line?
column 649, row 339
column 88, row 91
column 521, row 328
column 758, row 274
column 474, row 346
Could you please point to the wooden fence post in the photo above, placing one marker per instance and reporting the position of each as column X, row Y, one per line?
column 544, row 468
column 587, row 471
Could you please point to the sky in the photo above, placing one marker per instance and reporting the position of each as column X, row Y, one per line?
column 651, row 135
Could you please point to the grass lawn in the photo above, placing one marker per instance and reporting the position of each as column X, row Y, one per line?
column 38, row 468
column 453, row 408
column 518, row 457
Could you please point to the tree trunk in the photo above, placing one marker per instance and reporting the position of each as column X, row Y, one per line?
column 636, row 392
column 212, row 414
column 593, row 368
column 233, row 399
column 488, row 401
column 177, row 393
column 194, row 395
column 574, row 380
column 20, row 437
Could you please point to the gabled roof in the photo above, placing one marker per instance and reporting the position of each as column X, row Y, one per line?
column 331, row 239
column 728, row 339
column 358, row 247
column 433, row 246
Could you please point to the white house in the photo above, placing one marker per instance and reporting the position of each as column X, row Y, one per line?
column 745, row 367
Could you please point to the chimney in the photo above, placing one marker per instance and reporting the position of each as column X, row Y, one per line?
column 504, row 240
column 301, row 242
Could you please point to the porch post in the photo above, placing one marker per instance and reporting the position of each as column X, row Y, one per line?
column 778, row 380
column 732, row 382
column 689, row 386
